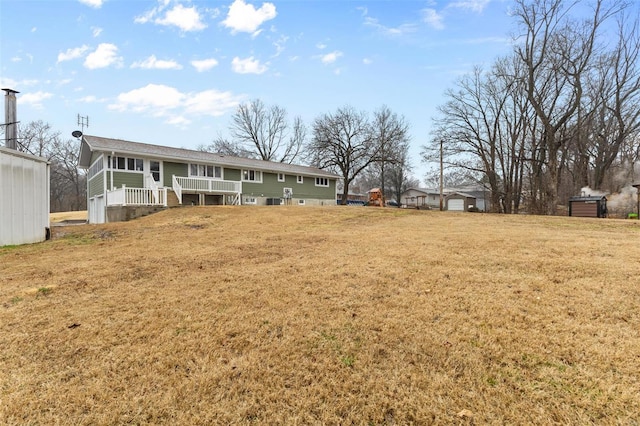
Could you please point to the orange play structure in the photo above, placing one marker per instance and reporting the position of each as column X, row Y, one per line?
column 375, row 198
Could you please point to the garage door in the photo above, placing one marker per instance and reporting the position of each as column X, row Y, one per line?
column 455, row 205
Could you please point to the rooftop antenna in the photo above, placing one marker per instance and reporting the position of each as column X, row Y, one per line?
column 82, row 122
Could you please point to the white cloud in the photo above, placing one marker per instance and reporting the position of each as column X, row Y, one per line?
column 168, row 102
column 432, row 18
column 88, row 99
column 243, row 17
column 321, row 46
column 73, row 53
column 153, row 63
column 389, row 31
column 34, row 99
column 211, row 102
column 179, row 121
column 247, row 66
column 330, row 58
column 97, row 4
column 16, row 59
column 96, row 31
column 204, row 64
column 472, row 5
column 105, row 55
column 367, row 61
column 154, row 98
column 279, row 44
column 185, row 18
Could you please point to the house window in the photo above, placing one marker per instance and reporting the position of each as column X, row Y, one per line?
column 120, row 163
column 322, row 181
column 205, row 170
column 251, row 176
column 95, row 168
column 301, row 202
column 280, row 177
column 124, row 163
column 250, row 200
column 300, row 179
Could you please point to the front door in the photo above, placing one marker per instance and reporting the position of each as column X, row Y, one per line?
column 155, row 168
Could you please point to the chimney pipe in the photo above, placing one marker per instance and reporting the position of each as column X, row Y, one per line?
column 11, row 119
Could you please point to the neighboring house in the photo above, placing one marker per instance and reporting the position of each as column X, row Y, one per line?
column 24, row 198
column 124, row 175
column 421, row 198
column 430, row 198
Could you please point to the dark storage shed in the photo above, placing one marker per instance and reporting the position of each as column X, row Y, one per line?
column 592, row 206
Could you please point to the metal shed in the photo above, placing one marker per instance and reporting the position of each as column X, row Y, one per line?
column 24, row 198
column 590, row 206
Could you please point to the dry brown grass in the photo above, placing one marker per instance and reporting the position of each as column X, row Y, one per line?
column 288, row 315
column 62, row 216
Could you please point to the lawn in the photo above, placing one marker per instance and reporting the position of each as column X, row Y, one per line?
column 323, row 315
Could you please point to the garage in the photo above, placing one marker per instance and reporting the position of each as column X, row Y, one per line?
column 460, row 202
column 455, row 205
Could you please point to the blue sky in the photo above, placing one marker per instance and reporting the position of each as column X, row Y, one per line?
column 172, row 72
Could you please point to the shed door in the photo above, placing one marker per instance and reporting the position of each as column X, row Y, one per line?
column 455, row 205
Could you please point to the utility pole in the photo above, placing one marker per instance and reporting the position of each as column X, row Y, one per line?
column 441, row 177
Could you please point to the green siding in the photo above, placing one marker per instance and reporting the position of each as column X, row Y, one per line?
column 231, row 174
column 170, row 169
column 271, row 188
column 131, row 180
column 96, row 185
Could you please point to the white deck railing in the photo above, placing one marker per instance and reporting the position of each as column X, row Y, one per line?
column 181, row 184
column 137, row 197
column 209, row 185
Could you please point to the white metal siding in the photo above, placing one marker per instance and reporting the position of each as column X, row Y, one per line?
column 96, row 210
column 455, row 205
column 24, row 198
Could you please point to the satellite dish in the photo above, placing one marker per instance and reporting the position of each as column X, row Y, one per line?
column 76, row 133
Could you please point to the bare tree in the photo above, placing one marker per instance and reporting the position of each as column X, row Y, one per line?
column 343, row 142
column 391, row 133
column 556, row 52
column 399, row 173
column 263, row 132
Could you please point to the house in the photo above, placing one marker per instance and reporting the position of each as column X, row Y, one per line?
column 126, row 179
column 430, row 198
column 421, row 198
column 24, row 198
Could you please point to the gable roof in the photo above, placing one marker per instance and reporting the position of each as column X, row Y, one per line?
column 99, row 144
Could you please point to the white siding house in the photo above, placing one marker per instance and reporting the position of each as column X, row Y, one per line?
column 24, row 198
